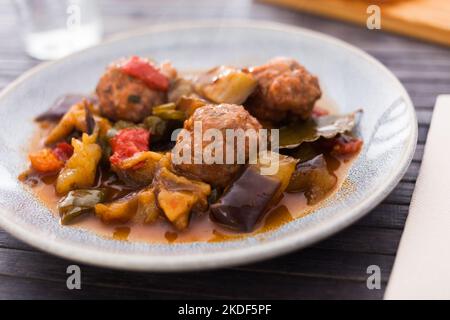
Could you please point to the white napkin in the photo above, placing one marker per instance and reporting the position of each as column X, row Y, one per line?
column 422, row 266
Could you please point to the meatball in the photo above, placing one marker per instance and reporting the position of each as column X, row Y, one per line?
column 126, row 97
column 222, row 117
column 285, row 89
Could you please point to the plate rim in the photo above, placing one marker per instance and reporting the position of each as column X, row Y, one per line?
column 229, row 257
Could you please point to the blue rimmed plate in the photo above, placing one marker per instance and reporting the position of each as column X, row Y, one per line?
column 349, row 76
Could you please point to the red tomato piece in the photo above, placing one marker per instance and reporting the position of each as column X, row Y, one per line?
column 346, row 145
column 319, row 111
column 128, row 142
column 63, row 151
column 145, row 71
column 45, row 161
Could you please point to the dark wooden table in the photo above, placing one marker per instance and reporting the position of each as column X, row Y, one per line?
column 332, row 269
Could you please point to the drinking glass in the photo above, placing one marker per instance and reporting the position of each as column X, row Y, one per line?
column 52, row 29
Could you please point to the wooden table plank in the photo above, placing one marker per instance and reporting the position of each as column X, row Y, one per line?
column 386, row 215
column 334, row 268
column 38, row 289
column 397, row 16
column 278, row 280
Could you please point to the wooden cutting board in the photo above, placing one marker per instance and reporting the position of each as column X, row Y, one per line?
column 425, row 19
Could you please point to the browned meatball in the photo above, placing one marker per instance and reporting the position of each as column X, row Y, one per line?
column 285, row 88
column 222, row 117
column 124, row 97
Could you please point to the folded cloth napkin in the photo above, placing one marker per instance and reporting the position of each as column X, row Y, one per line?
column 422, row 266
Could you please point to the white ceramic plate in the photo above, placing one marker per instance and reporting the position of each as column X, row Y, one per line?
column 349, row 76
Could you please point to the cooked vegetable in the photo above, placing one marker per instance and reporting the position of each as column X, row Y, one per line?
column 278, row 166
column 181, row 87
column 188, row 104
column 177, row 206
column 120, row 211
column 147, row 209
column 51, row 160
column 103, row 142
column 127, row 142
column 314, row 179
column 78, row 202
column 144, row 70
column 168, row 112
column 89, row 119
column 214, row 196
column 139, row 169
column 62, row 106
column 63, row 151
column 171, row 115
column 226, row 85
column 343, row 145
column 164, row 107
column 79, row 171
column 286, row 167
column 330, row 126
column 45, row 161
column 137, row 160
column 75, row 118
column 130, row 160
column 156, row 126
column 240, row 209
column 179, row 195
column 304, row 152
column 122, row 124
column 79, row 117
column 102, row 126
column 139, row 207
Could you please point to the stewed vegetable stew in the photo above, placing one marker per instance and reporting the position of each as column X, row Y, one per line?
column 161, row 156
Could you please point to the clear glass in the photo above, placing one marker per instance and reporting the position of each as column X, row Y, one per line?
column 55, row 28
